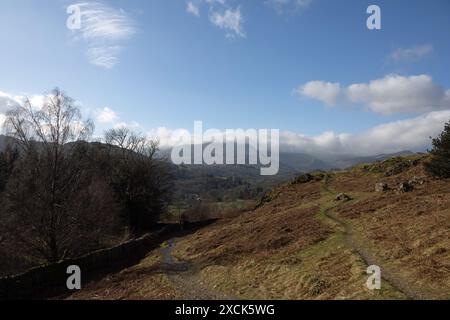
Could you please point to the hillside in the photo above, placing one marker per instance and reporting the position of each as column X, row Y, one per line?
column 228, row 183
column 302, row 243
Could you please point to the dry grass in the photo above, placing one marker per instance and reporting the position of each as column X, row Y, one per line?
column 410, row 233
column 140, row 282
column 289, row 248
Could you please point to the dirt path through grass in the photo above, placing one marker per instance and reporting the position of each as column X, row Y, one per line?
column 184, row 279
column 365, row 254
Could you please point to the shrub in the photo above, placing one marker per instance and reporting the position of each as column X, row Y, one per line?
column 303, row 178
column 439, row 166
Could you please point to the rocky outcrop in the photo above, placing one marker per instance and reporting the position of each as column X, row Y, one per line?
column 343, row 197
column 381, row 187
column 417, row 181
column 405, row 187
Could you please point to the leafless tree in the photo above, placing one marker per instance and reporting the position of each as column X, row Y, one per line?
column 55, row 124
column 142, row 183
column 132, row 144
column 55, row 204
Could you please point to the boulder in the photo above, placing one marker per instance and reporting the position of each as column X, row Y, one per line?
column 381, row 187
column 417, row 181
column 343, row 197
column 405, row 187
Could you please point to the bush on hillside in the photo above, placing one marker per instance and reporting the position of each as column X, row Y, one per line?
column 439, row 166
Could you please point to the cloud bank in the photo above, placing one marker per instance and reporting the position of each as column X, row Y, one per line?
column 411, row 134
column 393, row 94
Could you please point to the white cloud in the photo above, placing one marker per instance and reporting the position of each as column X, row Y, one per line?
column 230, row 20
column 38, row 101
column 7, row 102
column 221, row 15
column 130, row 125
column 169, row 138
column 410, row 134
column 106, row 57
column 325, row 92
column 389, row 95
column 212, row 2
column 106, row 116
column 412, row 53
column 103, row 28
column 398, row 94
column 2, row 119
column 193, row 8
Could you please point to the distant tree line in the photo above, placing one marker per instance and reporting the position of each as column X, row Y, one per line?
column 62, row 196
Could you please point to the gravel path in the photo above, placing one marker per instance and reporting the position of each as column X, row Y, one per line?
column 184, row 280
column 369, row 258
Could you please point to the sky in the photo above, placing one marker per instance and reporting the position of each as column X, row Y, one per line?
column 310, row 68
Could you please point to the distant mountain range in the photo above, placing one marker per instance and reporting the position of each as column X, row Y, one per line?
column 302, row 162
column 230, row 182
column 290, row 162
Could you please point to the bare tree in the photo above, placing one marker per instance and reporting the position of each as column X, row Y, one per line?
column 54, row 124
column 131, row 143
column 142, row 183
column 52, row 207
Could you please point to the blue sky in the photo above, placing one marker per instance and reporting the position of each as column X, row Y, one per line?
column 310, row 68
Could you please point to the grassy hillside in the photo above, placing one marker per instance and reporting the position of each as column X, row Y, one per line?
column 302, row 243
